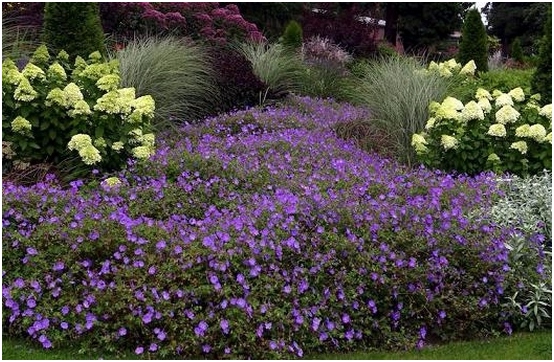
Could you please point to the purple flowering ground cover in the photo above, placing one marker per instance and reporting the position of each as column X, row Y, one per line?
column 258, row 234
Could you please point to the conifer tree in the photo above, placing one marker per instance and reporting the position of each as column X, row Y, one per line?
column 73, row 27
column 474, row 43
column 542, row 78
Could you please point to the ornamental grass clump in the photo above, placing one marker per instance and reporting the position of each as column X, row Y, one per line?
column 238, row 240
column 54, row 111
column 398, row 91
column 177, row 74
column 502, row 132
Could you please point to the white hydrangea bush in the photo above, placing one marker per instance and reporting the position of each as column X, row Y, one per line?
column 51, row 108
column 502, row 132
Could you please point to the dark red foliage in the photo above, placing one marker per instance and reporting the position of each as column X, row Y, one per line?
column 239, row 87
column 27, row 14
column 343, row 26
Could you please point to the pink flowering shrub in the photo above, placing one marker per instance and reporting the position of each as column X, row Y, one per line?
column 239, row 240
column 201, row 21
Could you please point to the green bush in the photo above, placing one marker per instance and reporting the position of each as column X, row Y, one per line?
column 517, row 51
column 275, row 65
column 542, row 78
column 292, row 36
column 175, row 73
column 50, row 108
column 474, row 44
column 511, row 135
column 73, row 27
column 398, row 92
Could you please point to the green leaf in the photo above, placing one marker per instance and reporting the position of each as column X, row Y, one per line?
column 99, row 132
column 34, row 145
column 50, row 150
column 44, row 124
column 52, row 134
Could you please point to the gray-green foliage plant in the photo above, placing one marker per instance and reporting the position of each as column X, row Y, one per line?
column 527, row 208
column 18, row 41
column 274, row 64
column 398, row 92
column 176, row 73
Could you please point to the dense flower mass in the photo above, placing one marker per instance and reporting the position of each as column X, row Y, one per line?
column 239, row 239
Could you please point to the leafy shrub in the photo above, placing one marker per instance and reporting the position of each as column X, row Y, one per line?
column 542, row 78
column 509, row 135
column 275, row 65
column 343, row 28
column 238, row 87
column 292, row 36
column 176, row 73
column 526, row 207
column 73, row 27
column 50, row 107
column 253, row 245
column 474, row 43
column 398, row 91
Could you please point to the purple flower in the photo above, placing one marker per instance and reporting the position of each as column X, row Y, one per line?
column 273, row 345
column 65, row 310
column 152, row 270
column 19, row 283
column 139, row 350
column 422, row 332
column 201, row 328
column 206, row 348
column 32, row 251
column 122, row 331
column 153, row 347
column 345, row 318
column 31, row 303
column 224, row 324
column 161, row 335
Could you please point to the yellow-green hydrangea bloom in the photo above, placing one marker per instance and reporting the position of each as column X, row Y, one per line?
column 148, row 140
column 145, row 105
column 523, row 131
column 32, row 72
column 548, row 138
column 117, row 146
column 537, row 132
column 79, row 141
column 536, row 97
column 24, row 91
column 55, row 96
column 452, row 64
column 506, row 114
column 503, row 100
column 444, row 71
column 108, row 82
column 449, row 142
column 483, row 93
column 116, row 102
column 80, row 108
column 493, row 157
column 472, row 110
column 142, row 152
column 63, row 56
column 454, row 103
column 517, row 94
column 100, row 142
column 111, row 181
column 496, row 93
column 521, row 146
column 433, row 66
column 433, row 107
column 72, row 94
column 21, row 125
column 430, row 123
column 90, row 155
column 41, row 55
column 546, row 111
column 95, row 71
column 95, row 57
column 497, row 130
column 56, row 71
column 12, row 76
column 485, row 105
column 419, row 142
column 469, row 68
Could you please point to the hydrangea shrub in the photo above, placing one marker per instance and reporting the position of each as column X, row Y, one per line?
column 52, row 111
column 502, row 132
column 236, row 239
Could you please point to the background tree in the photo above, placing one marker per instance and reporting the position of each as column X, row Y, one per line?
column 292, row 37
column 271, row 18
column 474, row 43
column 73, row 27
column 422, row 25
column 516, row 51
column 510, row 20
column 542, row 78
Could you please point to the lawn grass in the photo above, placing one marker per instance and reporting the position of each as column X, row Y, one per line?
column 520, row 346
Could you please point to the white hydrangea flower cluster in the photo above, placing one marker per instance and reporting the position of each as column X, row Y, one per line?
column 451, row 67
column 21, row 125
column 83, row 144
